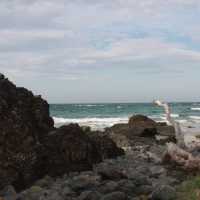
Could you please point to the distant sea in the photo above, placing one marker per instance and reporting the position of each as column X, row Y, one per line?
column 101, row 115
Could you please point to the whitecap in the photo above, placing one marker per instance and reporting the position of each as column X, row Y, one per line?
column 94, row 123
column 197, row 109
column 195, row 117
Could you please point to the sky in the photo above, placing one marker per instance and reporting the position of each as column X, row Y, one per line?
column 102, row 50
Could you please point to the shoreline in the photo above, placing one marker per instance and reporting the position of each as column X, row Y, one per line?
column 72, row 162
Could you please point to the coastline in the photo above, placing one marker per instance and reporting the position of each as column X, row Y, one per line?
column 125, row 161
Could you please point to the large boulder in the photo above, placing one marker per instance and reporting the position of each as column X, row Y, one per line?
column 140, row 130
column 24, row 123
column 142, row 125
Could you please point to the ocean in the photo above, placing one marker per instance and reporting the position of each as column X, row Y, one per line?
column 101, row 115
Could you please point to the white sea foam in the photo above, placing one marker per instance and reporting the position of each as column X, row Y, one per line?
column 94, row 123
column 195, row 117
column 101, row 123
column 195, row 109
column 88, row 105
column 175, row 115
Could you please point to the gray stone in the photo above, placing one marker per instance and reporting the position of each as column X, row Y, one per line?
column 164, row 192
column 109, row 172
column 82, row 182
column 89, row 195
column 115, row 196
column 108, row 187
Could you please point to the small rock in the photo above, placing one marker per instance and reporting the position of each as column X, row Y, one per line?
column 89, row 195
column 115, row 196
column 139, row 179
column 110, row 173
column 8, row 193
column 108, row 187
column 83, row 181
column 45, row 182
column 164, row 192
column 156, row 171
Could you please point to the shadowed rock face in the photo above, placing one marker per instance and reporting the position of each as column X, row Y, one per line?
column 24, row 123
column 69, row 149
column 107, row 148
column 30, row 146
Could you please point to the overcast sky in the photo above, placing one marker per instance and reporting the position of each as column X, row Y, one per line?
column 102, row 50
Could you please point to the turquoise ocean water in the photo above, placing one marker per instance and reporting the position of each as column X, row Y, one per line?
column 102, row 115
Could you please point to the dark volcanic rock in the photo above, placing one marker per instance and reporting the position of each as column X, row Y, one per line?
column 69, row 149
column 106, row 147
column 30, row 146
column 24, row 123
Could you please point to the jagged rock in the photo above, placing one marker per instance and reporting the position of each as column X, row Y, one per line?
column 106, row 147
column 142, row 126
column 24, row 123
column 68, row 148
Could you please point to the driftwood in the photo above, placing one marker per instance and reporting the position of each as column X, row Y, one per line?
column 182, row 158
column 178, row 132
column 179, row 153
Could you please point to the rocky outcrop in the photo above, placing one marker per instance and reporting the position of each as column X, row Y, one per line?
column 140, row 130
column 70, row 148
column 142, row 126
column 30, row 146
column 24, row 123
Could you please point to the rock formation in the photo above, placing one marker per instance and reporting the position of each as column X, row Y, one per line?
column 24, row 123
column 140, row 129
column 30, row 146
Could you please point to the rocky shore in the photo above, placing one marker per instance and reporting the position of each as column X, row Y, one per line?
column 41, row 162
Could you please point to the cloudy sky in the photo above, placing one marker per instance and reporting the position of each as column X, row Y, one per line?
column 102, row 50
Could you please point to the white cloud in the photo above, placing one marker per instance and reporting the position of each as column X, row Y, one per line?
column 72, row 36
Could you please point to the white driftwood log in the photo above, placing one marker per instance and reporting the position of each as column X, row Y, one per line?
column 182, row 158
column 179, row 153
column 178, row 133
